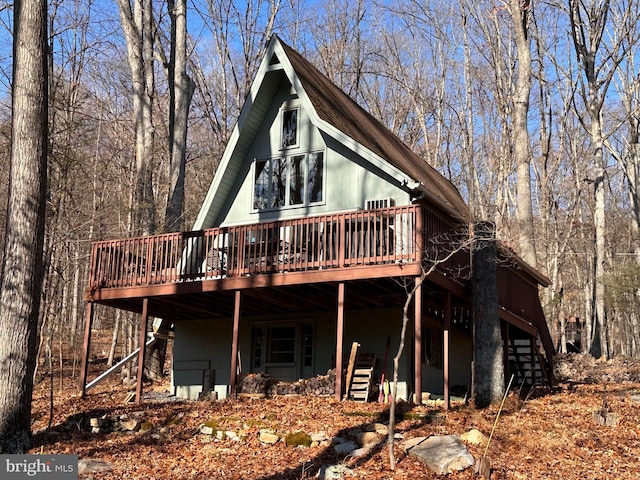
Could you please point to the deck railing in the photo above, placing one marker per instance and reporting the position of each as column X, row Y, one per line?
column 341, row 240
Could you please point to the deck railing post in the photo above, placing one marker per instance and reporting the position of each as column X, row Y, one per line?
column 342, row 231
column 419, row 234
column 148, row 263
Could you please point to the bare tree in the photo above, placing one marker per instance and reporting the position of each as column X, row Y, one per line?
column 597, row 40
column 520, row 12
column 181, row 88
column 21, row 279
column 488, row 377
column 137, row 25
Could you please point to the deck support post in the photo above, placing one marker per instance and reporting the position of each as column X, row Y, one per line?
column 143, row 348
column 234, row 345
column 339, row 340
column 445, row 333
column 417, row 332
column 88, row 323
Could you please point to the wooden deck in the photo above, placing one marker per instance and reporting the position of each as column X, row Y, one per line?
column 323, row 244
column 300, row 265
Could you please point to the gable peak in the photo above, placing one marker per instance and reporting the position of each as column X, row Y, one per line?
column 274, row 60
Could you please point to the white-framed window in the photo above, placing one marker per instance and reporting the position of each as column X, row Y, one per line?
column 289, row 128
column 296, row 180
column 278, row 346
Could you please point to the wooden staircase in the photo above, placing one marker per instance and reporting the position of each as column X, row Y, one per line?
column 529, row 367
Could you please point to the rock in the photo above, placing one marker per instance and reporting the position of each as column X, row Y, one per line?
column 319, row 437
column 267, row 436
column 367, row 438
column 96, row 422
column 231, row 435
column 361, row 452
column 379, row 428
column 442, row 454
column 132, row 425
column 334, row 472
column 474, row 437
column 87, row 465
column 345, row 448
column 207, row 430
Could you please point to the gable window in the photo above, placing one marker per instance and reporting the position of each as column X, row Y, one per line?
column 288, row 181
column 289, row 132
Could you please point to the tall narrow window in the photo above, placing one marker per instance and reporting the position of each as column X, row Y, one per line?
column 262, row 185
column 257, row 348
column 289, row 128
column 307, row 345
column 296, row 185
column 279, row 190
column 315, row 177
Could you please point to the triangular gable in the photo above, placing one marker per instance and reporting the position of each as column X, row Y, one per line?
column 337, row 115
column 352, row 125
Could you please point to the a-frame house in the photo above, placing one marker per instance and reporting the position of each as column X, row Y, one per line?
column 316, row 222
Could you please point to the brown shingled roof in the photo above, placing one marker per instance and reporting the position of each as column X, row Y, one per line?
column 338, row 109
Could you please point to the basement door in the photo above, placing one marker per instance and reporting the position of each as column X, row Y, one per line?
column 283, row 350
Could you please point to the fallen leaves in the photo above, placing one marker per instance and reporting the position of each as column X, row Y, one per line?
column 551, row 436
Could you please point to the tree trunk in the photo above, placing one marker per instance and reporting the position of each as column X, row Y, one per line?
column 521, row 147
column 181, row 89
column 114, row 339
column 137, row 28
column 21, row 279
column 488, row 367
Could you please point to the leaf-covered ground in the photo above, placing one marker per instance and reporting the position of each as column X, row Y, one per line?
column 550, row 436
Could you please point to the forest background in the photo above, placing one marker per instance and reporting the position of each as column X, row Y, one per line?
column 446, row 77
